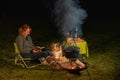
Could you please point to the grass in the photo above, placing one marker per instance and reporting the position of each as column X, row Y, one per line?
column 103, row 62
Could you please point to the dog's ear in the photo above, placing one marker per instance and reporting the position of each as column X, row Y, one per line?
column 52, row 45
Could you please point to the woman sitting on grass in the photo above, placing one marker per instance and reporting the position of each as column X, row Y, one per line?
column 26, row 46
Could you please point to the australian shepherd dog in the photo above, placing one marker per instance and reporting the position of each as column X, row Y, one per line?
column 57, row 52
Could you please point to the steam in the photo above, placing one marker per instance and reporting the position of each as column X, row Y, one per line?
column 69, row 16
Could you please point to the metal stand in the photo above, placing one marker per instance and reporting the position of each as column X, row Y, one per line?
column 90, row 78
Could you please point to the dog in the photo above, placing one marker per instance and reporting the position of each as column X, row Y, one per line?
column 56, row 49
column 57, row 52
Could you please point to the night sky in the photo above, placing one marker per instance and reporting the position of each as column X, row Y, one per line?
column 97, row 10
column 22, row 8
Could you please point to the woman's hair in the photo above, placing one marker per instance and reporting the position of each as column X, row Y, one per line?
column 23, row 28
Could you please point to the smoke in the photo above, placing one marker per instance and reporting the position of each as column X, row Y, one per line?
column 69, row 16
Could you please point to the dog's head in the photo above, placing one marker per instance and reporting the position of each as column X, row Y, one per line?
column 56, row 47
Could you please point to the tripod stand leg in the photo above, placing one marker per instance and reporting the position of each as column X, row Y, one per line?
column 89, row 75
column 51, row 74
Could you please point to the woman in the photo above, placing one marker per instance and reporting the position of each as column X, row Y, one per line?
column 26, row 46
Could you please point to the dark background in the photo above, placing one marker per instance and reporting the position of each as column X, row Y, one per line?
column 42, row 8
column 101, row 13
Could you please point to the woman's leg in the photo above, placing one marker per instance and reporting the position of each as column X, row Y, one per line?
column 41, row 54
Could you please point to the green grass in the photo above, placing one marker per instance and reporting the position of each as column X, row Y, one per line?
column 103, row 61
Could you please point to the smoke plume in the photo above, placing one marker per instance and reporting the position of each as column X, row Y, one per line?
column 69, row 16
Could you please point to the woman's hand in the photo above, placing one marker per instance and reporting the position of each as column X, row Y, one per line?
column 35, row 51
